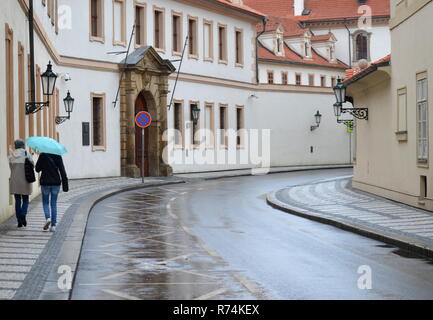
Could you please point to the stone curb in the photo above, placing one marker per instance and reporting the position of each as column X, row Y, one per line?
column 70, row 252
column 400, row 241
column 226, row 174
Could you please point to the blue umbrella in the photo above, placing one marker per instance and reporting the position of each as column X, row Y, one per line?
column 46, row 145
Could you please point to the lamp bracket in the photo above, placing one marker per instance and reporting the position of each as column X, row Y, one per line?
column 33, row 107
column 61, row 119
column 358, row 113
column 312, row 128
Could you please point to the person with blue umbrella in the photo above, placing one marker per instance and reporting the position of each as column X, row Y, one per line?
column 53, row 175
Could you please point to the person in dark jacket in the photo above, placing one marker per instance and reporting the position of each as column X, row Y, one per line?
column 53, row 176
column 18, row 185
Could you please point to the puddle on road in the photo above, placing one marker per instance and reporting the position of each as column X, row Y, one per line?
column 405, row 253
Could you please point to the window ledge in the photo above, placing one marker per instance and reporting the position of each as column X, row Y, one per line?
column 193, row 56
column 222, row 61
column 119, row 43
column 239, row 65
column 161, row 50
column 99, row 149
column 177, row 54
column 401, row 136
column 97, row 39
column 422, row 163
column 208, row 59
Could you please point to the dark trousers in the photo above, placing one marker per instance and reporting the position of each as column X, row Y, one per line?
column 21, row 206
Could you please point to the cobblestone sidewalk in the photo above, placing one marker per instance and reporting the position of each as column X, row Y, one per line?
column 20, row 249
column 336, row 203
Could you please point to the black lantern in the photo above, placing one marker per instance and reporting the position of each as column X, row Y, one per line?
column 318, row 118
column 337, row 109
column 69, row 107
column 195, row 112
column 340, row 92
column 49, row 79
column 69, row 103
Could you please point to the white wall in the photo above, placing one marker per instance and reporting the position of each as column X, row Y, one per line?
column 289, row 117
column 84, row 48
column 292, row 70
column 380, row 42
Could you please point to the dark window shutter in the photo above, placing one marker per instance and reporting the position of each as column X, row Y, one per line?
column 86, row 134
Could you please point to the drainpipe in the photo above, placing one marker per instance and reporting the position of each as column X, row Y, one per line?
column 32, row 53
column 350, row 47
column 265, row 21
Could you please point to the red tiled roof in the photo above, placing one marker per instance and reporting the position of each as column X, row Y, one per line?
column 243, row 7
column 350, row 73
column 322, row 37
column 339, row 9
column 280, row 8
column 291, row 27
column 293, row 57
column 320, row 9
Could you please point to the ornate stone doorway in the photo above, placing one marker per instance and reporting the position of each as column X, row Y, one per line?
column 144, row 86
column 141, row 105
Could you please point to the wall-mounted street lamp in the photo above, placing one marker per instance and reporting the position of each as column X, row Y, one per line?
column 69, row 107
column 340, row 95
column 318, row 118
column 345, row 122
column 48, row 79
column 195, row 112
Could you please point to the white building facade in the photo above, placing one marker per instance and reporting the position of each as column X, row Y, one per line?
column 218, row 76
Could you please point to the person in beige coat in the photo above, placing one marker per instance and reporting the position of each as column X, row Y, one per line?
column 18, row 185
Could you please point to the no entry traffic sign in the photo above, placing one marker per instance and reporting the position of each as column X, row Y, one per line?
column 143, row 119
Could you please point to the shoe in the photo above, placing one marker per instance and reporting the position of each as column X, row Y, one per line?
column 20, row 225
column 24, row 222
column 53, row 229
column 47, row 224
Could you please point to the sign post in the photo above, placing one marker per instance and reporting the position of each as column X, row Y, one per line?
column 143, row 120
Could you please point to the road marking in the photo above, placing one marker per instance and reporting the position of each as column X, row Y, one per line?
column 159, row 266
column 135, row 239
column 187, row 230
column 247, row 284
column 170, row 212
column 211, row 294
column 175, row 258
column 145, row 284
column 210, row 251
column 120, row 295
column 119, row 274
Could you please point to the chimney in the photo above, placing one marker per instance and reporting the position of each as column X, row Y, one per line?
column 299, row 7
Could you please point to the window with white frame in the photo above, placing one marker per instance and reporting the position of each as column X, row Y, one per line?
column 177, row 33
column 223, row 125
column 178, row 123
column 222, row 43
column 422, row 108
column 284, row 77
column 97, row 20
column 193, row 37
column 240, row 126
column 140, row 24
column 209, row 125
column 158, row 31
column 401, row 110
column 239, row 54
column 208, row 40
column 98, row 121
column 195, row 129
column 119, row 22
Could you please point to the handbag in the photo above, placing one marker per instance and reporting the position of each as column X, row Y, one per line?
column 29, row 170
column 65, row 184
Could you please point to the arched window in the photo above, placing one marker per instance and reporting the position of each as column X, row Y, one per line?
column 361, row 46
